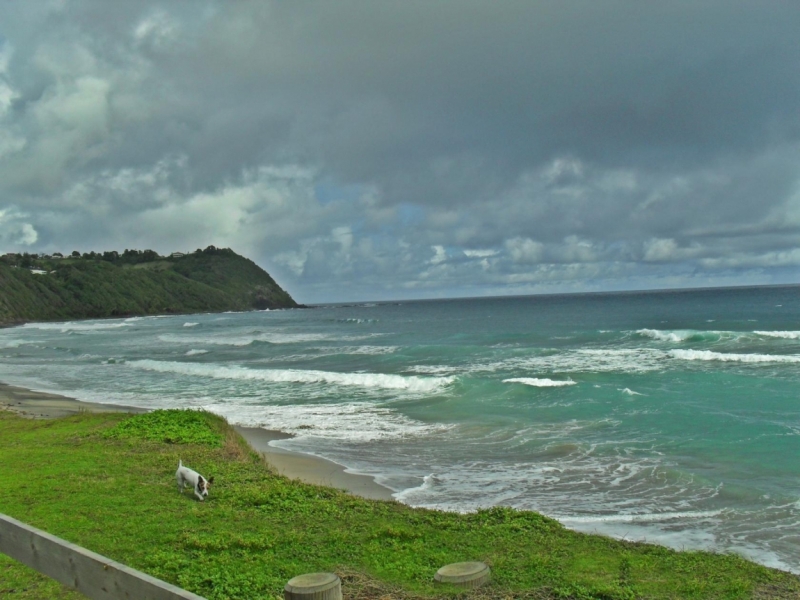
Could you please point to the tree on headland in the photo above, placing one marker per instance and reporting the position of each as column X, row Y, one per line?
column 110, row 284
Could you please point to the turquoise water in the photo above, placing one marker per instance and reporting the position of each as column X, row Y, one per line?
column 666, row 416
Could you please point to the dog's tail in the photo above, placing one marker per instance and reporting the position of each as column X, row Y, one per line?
column 180, row 463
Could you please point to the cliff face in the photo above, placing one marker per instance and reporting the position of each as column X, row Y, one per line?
column 134, row 283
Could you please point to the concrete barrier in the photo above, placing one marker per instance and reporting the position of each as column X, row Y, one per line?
column 91, row 574
column 314, row 586
column 464, row 574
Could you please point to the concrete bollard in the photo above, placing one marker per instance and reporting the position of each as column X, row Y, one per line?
column 314, row 586
column 464, row 574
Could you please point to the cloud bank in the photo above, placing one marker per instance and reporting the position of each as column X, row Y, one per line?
column 362, row 150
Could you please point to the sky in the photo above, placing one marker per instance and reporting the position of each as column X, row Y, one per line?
column 379, row 150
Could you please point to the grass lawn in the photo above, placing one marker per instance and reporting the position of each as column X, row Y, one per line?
column 106, row 482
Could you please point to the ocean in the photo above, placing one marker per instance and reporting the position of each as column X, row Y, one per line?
column 671, row 417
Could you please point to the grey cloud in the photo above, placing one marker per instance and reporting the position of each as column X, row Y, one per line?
column 562, row 144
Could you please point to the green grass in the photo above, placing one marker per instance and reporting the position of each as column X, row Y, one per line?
column 106, row 482
column 170, row 427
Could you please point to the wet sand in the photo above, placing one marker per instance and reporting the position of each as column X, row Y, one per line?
column 311, row 469
column 41, row 405
column 295, row 465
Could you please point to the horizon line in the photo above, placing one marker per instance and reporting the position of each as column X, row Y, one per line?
column 546, row 294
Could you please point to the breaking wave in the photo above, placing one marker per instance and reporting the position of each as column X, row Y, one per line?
column 427, row 385
column 630, row 392
column 82, row 326
column 536, row 382
column 244, row 339
column 678, row 336
column 730, row 357
column 351, row 421
column 642, row 518
column 690, row 335
column 786, row 335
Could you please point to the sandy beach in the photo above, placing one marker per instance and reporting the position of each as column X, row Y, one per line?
column 295, row 465
column 311, row 469
column 41, row 405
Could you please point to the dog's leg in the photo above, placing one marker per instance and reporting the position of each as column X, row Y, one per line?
column 179, row 477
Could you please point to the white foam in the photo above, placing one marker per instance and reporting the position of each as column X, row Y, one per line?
column 434, row 370
column 428, row 385
column 352, row 421
column 684, row 335
column 196, row 352
column 243, row 339
column 428, row 481
column 633, row 360
column 630, row 392
column 535, row 382
column 357, row 321
column 640, row 518
column 666, row 336
column 725, row 357
column 82, row 326
column 7, row 344
column 369, row 350
column 322, row 351
column 585, row 360
column 787, row 335
column 191, row 324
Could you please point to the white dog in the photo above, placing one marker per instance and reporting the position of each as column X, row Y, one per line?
column 200, row 484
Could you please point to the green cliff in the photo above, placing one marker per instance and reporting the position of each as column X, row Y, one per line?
column 90, row 286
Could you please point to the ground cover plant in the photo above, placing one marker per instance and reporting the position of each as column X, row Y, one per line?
column 106, row 482
column 169, row 426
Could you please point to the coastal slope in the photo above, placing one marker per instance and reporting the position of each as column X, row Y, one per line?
column 134, row 283
column 257, row 529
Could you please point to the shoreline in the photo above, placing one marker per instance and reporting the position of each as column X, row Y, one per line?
column 32, row 404
column 10, row 324
column 43, row 405
column 310, row 468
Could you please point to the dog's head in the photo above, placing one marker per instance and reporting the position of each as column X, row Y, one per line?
column 203, row 485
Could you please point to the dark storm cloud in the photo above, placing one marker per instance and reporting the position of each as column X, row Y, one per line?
column 414, row 148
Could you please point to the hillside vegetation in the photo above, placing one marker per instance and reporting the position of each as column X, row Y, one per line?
column 46, row 288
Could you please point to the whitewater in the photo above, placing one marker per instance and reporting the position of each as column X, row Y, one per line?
column 671, row 417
